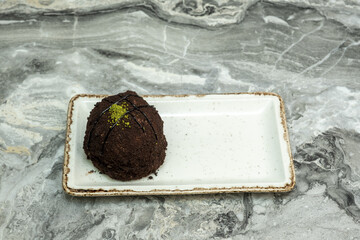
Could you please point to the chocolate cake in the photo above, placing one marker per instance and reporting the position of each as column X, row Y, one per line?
column 124, row 137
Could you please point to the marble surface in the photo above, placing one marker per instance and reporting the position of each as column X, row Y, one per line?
column 306, row 51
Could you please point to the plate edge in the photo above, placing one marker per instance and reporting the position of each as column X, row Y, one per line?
column 287, row 140
column 69, row 121
column 195, row 191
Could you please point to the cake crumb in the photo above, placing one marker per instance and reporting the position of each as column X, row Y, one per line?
column 151, row 177
column 91, row 171
column 114, row 115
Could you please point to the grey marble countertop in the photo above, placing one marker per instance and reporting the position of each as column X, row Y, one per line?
column 308, row 52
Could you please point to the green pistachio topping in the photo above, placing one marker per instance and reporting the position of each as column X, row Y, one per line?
column 119, row 112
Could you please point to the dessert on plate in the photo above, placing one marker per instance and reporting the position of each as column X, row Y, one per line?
column 124, row 137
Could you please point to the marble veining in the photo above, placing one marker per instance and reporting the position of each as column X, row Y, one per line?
column 306, row 51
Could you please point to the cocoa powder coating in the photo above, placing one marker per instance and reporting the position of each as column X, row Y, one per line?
column 125, row 141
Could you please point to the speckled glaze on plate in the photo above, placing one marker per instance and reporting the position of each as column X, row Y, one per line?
column 216, row 143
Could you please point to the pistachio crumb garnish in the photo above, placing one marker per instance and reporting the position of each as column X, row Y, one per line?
column 118, row 112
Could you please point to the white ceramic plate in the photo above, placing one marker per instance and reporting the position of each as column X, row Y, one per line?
column 216, row 143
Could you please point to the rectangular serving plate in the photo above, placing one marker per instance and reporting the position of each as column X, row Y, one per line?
column 219, row 143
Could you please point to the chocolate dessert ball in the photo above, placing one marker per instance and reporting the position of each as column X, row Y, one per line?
column 124, row 137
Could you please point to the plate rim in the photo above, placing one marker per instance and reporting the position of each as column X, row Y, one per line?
column 129, row 192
